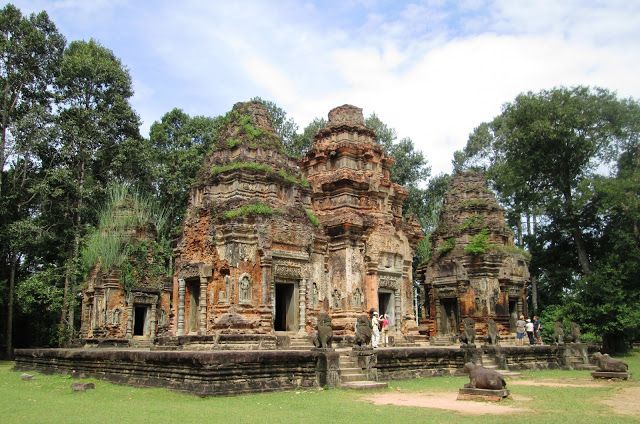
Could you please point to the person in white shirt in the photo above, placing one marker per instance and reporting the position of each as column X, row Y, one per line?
column 375, row 330
column 529, row 328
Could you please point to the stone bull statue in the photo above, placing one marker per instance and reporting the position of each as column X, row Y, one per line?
column 608, row 364
column 483, row 378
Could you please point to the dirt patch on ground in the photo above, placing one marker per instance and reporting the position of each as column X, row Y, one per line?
column 442, row 400
column 555, row 383
column 625, row 402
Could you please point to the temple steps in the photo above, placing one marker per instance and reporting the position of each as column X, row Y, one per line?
column 300, row 343
column 353, row 377
column 489, row 363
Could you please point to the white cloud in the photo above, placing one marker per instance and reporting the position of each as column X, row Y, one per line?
column 433, row 70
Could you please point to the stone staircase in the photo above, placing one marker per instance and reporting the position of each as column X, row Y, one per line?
column 353, row 377
column 489, row 363
column 140, row 343
column 578, row 364
column 300, row 343
column 442, row 340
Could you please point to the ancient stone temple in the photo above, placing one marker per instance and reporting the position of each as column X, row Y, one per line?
column 128, row 302
column 368, row 259
column 475, row 269
column 244, row 259
column 267, row 246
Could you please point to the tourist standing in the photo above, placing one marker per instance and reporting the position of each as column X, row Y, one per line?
column 520, row 328
column 375, row 330
column 529, row 328
column 537, row 328
column 385, row 329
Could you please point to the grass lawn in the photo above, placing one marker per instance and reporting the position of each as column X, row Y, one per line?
column 48, row 399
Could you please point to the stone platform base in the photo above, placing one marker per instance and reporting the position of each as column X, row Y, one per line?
column 482, row 394
column 364, row 385
column 610, row 374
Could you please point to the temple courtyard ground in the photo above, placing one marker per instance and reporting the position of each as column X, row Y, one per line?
column 537, row 397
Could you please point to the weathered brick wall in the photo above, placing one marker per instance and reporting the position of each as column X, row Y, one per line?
column 202, row 373
column 412, row 362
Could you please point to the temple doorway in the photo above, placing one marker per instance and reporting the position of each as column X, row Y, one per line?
column 386, row 305
column 140, row 321
column 193, row 288
column 286, row 309
column 449, row 320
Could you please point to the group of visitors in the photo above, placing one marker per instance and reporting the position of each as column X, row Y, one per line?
column 532, row 327
column 379, row 329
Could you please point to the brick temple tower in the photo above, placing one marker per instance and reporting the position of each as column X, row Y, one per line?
column 475, row 269
column 368, row 262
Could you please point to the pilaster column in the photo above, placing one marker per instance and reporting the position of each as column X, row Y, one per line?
column 303, row 304
column 130, row 319
column 438, row 316
column 152, row 322
column 520, row 308
column 203, row 305
column 398, row 309
column 181, row 289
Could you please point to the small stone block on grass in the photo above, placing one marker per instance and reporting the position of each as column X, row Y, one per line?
column 483, row 394
column 610, row 374
column 26, row 377
column 82, row 387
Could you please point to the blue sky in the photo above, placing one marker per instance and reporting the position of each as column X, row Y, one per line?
column 433, row 70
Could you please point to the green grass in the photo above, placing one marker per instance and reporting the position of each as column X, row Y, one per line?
column 251, row 209
column 48, row 398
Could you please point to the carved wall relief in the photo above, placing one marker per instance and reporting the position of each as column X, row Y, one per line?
column 335, row 299
column 357, row 300
column 244, row 290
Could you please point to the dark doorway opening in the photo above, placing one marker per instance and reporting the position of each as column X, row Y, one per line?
column 139, row 320
column 385, row 305
column 449, row 320
column 285, row 314
column 194, row 303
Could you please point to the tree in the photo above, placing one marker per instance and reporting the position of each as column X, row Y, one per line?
column 285, row 127
column 545, row 146
column 179, row 143
column 546, row 155
column 31, row 49
column 95, row 118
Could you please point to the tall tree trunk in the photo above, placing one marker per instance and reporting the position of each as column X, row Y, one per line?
column 583, row 258
column 68, row 306
column 519, row 230
column 10, row 305
column 534, row 294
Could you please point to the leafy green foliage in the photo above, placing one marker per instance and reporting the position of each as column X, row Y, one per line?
column 479, row 243
column 178, row 143
column 259, row 167
column 446, row 246
column 248, row 210
column 473, row 221
column 284, row 126
column 423, row 250
column 312, row 217
column 145, row 264
column 123, row 240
